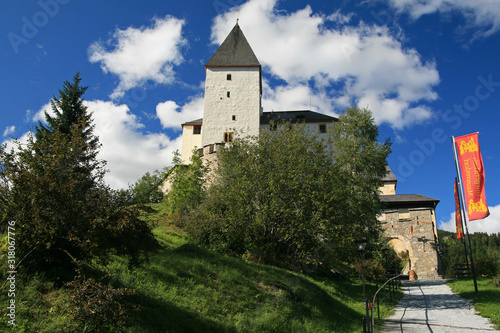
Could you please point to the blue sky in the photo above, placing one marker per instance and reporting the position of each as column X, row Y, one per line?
column 427, row 70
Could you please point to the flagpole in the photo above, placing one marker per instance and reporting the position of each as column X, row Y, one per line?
column 462, row 214
column 464, row 208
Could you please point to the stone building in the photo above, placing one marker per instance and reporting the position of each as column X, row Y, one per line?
column 409, row 223
column 233, row 106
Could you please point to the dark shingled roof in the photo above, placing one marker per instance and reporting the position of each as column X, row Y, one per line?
column 285, row 116
column 234, row 52
column 389, row 177
column 194, row 122
column 295, row 116
column 408, row 201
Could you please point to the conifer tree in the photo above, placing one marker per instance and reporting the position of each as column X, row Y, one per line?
column 53, row 189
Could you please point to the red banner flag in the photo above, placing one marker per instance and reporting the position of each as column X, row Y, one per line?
column 458, row 214
column 472, row 170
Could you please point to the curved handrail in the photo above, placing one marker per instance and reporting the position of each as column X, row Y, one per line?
column 375, row 297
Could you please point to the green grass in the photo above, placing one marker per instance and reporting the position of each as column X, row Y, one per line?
column 486, row 300
column 184, row 288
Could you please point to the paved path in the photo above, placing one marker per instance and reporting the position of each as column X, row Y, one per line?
column 430, row 306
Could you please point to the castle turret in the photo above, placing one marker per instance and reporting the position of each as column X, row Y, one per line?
column 233, row 90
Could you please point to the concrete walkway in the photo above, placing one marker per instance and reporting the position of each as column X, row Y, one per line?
column 430, row 306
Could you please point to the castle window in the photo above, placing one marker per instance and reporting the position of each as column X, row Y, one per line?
column 322, row 128
column 228, row 136
column 228, row 94
column 234, row 117
column 228, row 77
column 197, row 129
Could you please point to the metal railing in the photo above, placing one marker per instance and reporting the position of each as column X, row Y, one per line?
column 386, row 292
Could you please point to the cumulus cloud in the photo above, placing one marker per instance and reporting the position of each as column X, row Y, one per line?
column 128, row 151
column 12, row 144
column 127, row 148
column 40, row 114
column 137, row 55
column 9, row 130
column 362, row 64
column 172, row 115
column 490, row 225
column 482, row 14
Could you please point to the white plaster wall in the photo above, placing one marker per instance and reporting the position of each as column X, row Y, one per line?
column 244, row 103
column 190, row 141
column 311, row 128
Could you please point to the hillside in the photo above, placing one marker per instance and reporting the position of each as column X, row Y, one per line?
column 183, row 288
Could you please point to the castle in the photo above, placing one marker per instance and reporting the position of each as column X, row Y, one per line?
column 233, row 104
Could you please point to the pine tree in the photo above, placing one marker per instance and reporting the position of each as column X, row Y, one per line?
column 53, row 189
column 69, row 110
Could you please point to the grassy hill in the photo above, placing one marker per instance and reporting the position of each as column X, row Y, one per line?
column 183, row 288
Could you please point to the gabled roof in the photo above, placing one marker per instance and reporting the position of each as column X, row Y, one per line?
column 234, row 52
column 295, row 116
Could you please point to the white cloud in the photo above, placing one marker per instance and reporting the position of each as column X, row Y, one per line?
column 12, row 144
column 139, row 55
column 40, row 114
column 172, row 115
column 296, row 97
column 490, row 225
column 482, row 14
column 9, row 130
column 348, row 64
column 128, row 151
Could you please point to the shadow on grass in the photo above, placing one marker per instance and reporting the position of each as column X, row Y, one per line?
column 257, row 297
column 161, row 316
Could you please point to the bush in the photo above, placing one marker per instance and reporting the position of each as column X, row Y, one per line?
column 485, row 267
column 102, row 308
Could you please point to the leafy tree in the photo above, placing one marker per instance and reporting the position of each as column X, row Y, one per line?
column 147, row 189
column 485, row 251
column 53, row 189
column 362, row 161
column 186, row 184
column 283, row 199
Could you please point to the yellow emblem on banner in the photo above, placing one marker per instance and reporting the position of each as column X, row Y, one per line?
column 470, row 146
column 477, row 206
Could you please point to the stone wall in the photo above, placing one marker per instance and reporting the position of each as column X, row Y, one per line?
column 414, row 230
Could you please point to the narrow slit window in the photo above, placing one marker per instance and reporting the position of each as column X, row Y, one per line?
column 229, row 77
column 234, row 117
column 228, row 94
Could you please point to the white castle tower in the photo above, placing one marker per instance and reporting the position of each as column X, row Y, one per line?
column 233, row 90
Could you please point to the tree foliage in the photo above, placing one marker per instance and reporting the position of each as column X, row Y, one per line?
column 53, row 188
column 186, row 184
column 283, row 199
column 147, row 188
column 362, row 161
column 485, row 251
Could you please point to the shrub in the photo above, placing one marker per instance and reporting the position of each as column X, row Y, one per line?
column 102, row 308
column 485, row 267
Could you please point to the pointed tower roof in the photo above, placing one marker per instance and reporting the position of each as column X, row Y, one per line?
column 234, row 52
